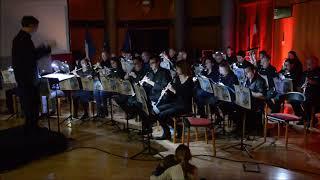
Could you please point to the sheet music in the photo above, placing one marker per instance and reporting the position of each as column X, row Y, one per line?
column 239, row 72
column 125, row 88
column 141, row 97
column 87, row 84
column 8, row 77
column 243, row 96
column 69, row 84
column 165, row 64
column 221, row 92
column 59, row 76
column 110, row 84
column 283, row 86
column 205, row 84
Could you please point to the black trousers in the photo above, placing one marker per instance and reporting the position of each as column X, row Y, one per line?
column 30, row 101
column 167, row 111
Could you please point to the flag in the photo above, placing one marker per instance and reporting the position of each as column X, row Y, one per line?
column 127, row 46
column 88, row 45
column 255, row 35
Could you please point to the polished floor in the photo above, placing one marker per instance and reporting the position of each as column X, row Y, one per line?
column 94, row 152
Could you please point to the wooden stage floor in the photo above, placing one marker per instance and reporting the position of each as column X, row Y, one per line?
column 299, row 161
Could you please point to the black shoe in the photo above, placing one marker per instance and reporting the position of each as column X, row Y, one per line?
column 84, row 117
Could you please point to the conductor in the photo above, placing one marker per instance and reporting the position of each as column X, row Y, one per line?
column 24, row 62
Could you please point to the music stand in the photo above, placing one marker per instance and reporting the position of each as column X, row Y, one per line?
column 9, row 79
column 65, row 83
column 147, row 149
column 243, row 100
column 110, row 85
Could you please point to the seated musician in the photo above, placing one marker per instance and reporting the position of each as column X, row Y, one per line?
column 266, row 69
column 311, row 88
column 101, row 96
column 241, row 61
column 145, row 55
column 229, row 79
column 82, row 96
column 258, row 88
column 156, row 80
column 218, row 59
column 128, row 103
column 182, row 88
column 105, row 59
column 231, row 57
column 202, row 97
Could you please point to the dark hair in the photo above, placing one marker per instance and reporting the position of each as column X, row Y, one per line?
column 251, row 67
column 183, row 156
column 155, row 57
column 117, row 60
column 185, row 68
column 28, row 21
column 225, row 65
column 294, row 54
column 138, row 58
column 290, row 61
column 241, row 53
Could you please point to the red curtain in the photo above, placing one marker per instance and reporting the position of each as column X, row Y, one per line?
column 254, row 28
column 299, row 33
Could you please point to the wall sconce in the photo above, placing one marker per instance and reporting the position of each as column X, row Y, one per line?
column 146, row 5
column 283, row 42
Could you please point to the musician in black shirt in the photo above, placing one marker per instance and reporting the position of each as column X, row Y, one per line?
column 24, row 62
column 182, row 89
column 241, row 61
column 311, row 88
column 202, row 97
column 258, row 88
column 105, row 59
column 268, row 70
column 231, row 57
column 128, row 103
column 156, row 80
column 82, row 96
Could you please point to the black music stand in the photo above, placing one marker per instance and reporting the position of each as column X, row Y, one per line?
column 61, row 78
column 146, row 143
column 110, row 85
column 243, row 100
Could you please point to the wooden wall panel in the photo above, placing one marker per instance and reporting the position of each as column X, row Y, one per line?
column 86, row 9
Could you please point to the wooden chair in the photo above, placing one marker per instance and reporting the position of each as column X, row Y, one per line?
column 206, row 123
column 282, row 118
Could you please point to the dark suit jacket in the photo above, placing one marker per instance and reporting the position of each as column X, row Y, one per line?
column 24, row 59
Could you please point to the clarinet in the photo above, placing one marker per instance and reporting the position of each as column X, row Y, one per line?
column 163, row 92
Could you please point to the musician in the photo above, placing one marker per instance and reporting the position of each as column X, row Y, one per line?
column 231, row 57
column 311, row 88
column 129, row 103
column 116, row 70
column 182, row 56
column 156, row 80
column 218, row 56
column 202, row 97
column 81, row 96
column 24, row 62
column 289, row 71
column 172, row 55
column 105, row 59
column 182, row 89
column 146, row 58
column 241, row 62
column 265, row 68
column 296, row 64
column 258, row 88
